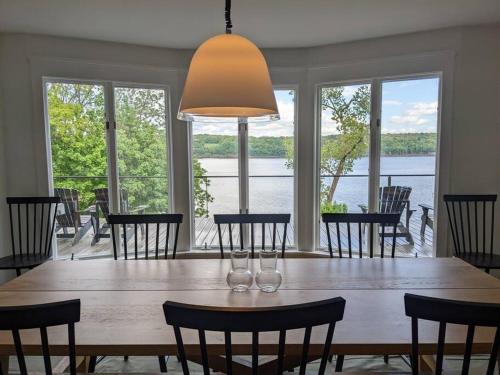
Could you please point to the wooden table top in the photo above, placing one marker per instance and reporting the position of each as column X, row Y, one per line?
column 122, row 312
column 210, row 274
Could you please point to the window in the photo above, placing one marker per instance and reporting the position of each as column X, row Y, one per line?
column 240, row 167
column 109, row 153
column 399, row 173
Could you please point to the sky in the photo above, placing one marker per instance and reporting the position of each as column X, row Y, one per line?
column 408, row 106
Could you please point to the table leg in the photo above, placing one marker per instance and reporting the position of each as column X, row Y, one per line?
column 82, row 365
column 267, row 365
column 4, row 362
column 426, row 363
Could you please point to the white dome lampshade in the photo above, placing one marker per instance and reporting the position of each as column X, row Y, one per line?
column 228, row 77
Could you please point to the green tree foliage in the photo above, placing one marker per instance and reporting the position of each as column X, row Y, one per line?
column 408, row 144
column 224, row 146
column 351, row 116
column 77, row 125
column 200, row 187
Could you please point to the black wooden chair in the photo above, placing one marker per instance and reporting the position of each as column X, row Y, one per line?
column 245, row 219
column 102, row 208
column 32, row 222
column 73, row 217
column 452, row 312
column 396, row 199
column 427, row 219
column 254, row 320
column 472, row 223
column 17, row 318
column 345, row 221
column 157, row 220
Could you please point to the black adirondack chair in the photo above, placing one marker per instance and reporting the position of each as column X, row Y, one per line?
column 79, row 221
column 472, row 224
column 396, row 200
column 102, row 208
column 32, row 223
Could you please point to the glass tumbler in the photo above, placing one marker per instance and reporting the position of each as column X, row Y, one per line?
column 239, row 278
column 268, row 279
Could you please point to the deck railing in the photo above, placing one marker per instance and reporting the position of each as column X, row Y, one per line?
column 423, row 192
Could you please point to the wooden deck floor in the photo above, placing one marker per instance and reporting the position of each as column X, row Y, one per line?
column 206, row 238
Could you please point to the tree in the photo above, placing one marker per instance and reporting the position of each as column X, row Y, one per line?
column 200, row 188
column 350, row 114
column 77, row 125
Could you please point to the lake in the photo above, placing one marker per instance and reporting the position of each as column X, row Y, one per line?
column 275, row 194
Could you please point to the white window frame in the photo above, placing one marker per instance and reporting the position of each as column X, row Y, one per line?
column 111, row 139
column 374, row 139
column 243, row 168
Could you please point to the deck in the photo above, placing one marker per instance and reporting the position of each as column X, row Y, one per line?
column 206, row 238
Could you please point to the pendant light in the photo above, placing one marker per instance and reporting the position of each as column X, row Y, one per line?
column 228, row 77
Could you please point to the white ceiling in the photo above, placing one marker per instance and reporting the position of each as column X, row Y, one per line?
column 269, row 23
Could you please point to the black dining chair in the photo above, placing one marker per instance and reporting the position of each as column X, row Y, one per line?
column 255, row 320
column 158, row 222
column 344, row 222
column 129, row 225
column 32, row 223
column 343, row 228
column 17, row 318
column 445, row 312
column 252, row 220
column 472, row 224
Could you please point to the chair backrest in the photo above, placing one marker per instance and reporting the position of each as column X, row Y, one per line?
column 145, row 220
column 453, row 312
column 252, row 219
column 102, row 201
column 18, row 318
column 343, row 223
column 393, row 199
column 472, row 222
column 70, row 198
column 32, row 222
column 254, row 320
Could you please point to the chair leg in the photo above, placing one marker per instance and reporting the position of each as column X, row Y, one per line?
column 18, row 272
column 386, row 358
column 340, row 363
column 163, row 363
column 92, row 363
column 125, row 358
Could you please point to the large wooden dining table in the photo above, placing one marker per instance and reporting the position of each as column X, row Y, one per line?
column 122, row 303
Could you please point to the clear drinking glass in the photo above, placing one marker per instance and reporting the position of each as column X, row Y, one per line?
column 268, row 279
column 239, row 278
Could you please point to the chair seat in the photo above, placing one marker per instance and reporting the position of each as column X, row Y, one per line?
column 482, row 260
column 22, row 261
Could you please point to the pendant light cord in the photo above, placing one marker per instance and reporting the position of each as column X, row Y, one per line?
column 227, row 14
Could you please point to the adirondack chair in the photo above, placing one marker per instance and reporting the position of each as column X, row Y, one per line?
column 73, row 218
column 102, row 206
column 395, row 199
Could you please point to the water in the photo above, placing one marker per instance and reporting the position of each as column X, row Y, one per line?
column 275, row 194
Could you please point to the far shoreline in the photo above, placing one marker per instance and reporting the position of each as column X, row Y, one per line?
column 284, row 157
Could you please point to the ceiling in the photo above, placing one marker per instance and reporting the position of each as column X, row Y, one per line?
column 269, row 23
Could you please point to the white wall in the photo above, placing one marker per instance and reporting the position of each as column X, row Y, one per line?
column 3, row 181
column 468, row 57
